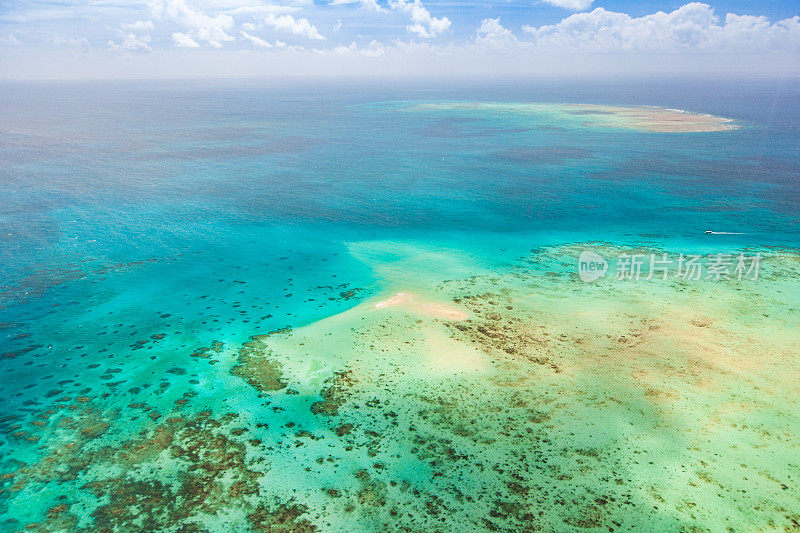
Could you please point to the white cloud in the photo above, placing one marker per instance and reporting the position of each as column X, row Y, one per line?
column 746, row 31
column 371, row 5
column 342, row 50
column 493, row 34
column 10, row 39
column 574, row 5
column 693, row 26
column 374, row 49
column 256, row 40
column 297, row 26
column 423, row 24
column 81, row 43
column 201, row 27
column 184, row 41
column 338, row 27
column 131, row 41
column 261, row 9
column 139, row 25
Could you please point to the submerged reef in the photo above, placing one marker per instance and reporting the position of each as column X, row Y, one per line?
column 334, row 394
column 176, row 476
column 256, row 366
column 639, row 118
column 525, row 400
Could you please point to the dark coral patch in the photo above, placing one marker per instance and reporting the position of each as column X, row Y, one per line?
column 335, row 394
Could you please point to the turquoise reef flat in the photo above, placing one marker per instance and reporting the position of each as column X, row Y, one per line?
column 346, row 309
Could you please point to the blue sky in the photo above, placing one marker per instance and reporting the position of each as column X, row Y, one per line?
column 118, row 38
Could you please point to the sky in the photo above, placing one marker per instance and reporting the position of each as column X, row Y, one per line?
column 58, row 39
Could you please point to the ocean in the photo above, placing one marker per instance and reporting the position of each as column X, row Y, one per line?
column 358, row 306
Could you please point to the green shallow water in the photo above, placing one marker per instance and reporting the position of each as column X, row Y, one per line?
column 555, row 404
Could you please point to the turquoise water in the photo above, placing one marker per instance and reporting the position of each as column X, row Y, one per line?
column 149, row 230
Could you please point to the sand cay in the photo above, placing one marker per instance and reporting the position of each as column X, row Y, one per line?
column 414, row 304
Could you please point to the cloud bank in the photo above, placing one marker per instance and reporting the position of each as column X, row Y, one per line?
column 694, row 26
column 225, row 37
